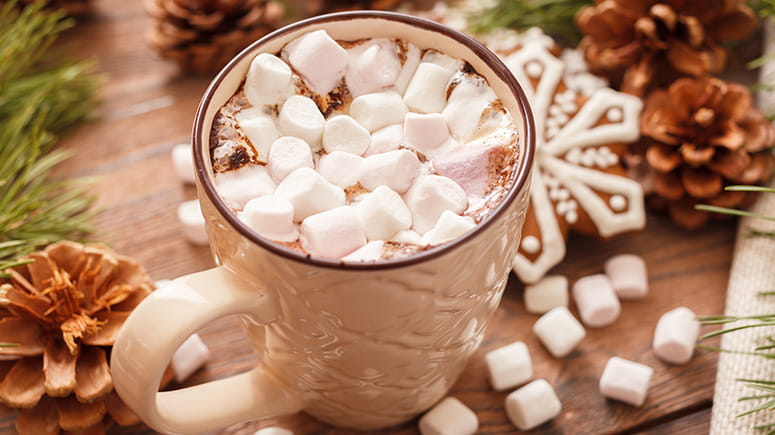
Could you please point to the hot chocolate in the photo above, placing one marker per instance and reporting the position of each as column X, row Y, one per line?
column 362, row 150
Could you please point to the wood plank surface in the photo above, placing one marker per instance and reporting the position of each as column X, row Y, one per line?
column 148, row 108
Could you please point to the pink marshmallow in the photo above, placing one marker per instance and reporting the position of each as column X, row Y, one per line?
column 425, row 132
column 596, row 301
column 626, row 381
column 319, row 59
column 469, row 167
column 333, row 233
column 628, row 276
column 675, row 336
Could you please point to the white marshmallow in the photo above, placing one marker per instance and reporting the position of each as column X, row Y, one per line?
column 465, row 106
column 449, row 63
column 449, row 417
column 287, row 154
column 596, row 300
column 628, row 276
column 269, row 80
column 340, row 168
column 192, row 222
column 373, row 65
column 509, row 366
column 412, row 59
column 271, row 217
column 407, row 237
column 386, row 139
column 448, row 227
column 371, row 251
column 309, row 193
column 425, row 133
column 532, row 405
column 378, row 109
column 626, row 381
column 240, row 186
column 300, row 117
column 394, row 169
column 430, row 196
column 260, row 130
column 427, row 91
column 190, row 356
column 319, row 59
column 333, row 233
column 675, row 336
column 273, row 431
column 183, row 162
column 559, row 331
column 342, row 133
column 550, row 292
column 383, row 213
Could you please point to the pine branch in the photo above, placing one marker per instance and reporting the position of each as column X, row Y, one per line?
column 555, row 17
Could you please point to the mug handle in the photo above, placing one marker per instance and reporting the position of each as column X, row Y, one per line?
column 157, row 327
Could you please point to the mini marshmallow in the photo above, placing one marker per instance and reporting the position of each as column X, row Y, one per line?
column 449, row 227
column 626, row 381
column 319, row 59
column 465, row 106
column 342, row 133
column 301, row 118
column 333, row 233
column 509, row 366
column 192, row 222
column 340, row 168
column 260, row 130
column 596, row 300
column 427, row 91
column 386, row 139
column 383, row 213
column 271, row 217
column 241, row 185
column 378, row 110
column 394, row 169
column 675, row 336
column 371, row 251
column 269, row 80
column 183, row 161
column 430, row 196
column 309, row 193
column 532, row 405
column 628, row 276
column 449, row 417
column 559, row 331
column 411, row 60
column 287, row 154
column 373, row 65
column 470, row 167
column 449, row 63
column 408, row 237
column 550, row 292
column 425, row 132
column 273, row 431
column 190, row 356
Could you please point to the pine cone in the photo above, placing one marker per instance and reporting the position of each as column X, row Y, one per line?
column 61, row 313
column 71, row 7
column 203, row 35
column 702, row 135
column 637, row 43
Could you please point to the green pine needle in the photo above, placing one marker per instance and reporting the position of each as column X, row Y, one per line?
column 555, row 17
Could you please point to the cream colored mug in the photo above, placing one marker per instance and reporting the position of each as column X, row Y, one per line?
column 362, row 346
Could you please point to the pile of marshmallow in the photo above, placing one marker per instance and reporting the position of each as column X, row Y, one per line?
column 597, row 299
column 403, row 162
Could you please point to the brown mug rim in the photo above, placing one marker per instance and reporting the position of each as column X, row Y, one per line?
column 492, row 60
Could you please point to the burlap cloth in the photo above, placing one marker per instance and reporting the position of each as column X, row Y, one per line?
column 753, row 271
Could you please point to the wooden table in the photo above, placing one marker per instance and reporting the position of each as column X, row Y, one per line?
column 149, row 107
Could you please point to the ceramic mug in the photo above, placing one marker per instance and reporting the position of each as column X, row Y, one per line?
column 363, row 346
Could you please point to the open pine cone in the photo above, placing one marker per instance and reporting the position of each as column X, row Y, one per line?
column 702, row 135
column 637, row 43
column 61, row 313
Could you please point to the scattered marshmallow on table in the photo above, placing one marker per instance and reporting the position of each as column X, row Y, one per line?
column 425, row 132
column 559, row 331
column 260, row 129
column 626, row 381
column 532, row 405
column 628, row 276
column 309, row 193
column 190, row 356
column 340, row 168
column 192, row 222
column 448, row 227
column 675, row 336
column 596, row 300
column 373, row 65
column 271, row 217
column 394, row 169
column 287, row 154
column 269, row 80
column 300, row 117
column 427, row 90
column 449, row 417
column 509, row 366
column 333, row 233
column 183, row 161
column 319, row 59
column 550, row 292
column 383, row 213
column 343, row 133
column 378, row 109
column 273, row 431
column 371, row 251
column 430, row 196
column 244, row 184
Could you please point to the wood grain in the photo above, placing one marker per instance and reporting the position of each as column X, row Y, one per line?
column 148, row 108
